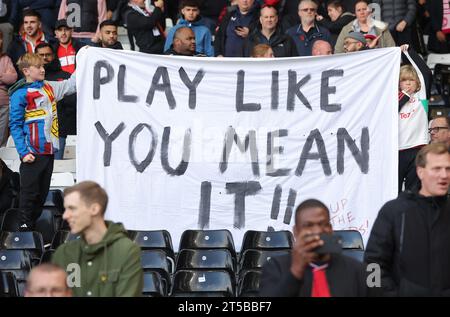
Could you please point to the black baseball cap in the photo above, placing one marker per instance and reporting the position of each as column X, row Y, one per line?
column 61, row 23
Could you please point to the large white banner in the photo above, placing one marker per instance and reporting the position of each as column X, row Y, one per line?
column 187, row 143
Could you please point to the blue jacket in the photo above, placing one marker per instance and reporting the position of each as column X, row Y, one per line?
column 33, row 119
column 304, row 41
column 203, row 40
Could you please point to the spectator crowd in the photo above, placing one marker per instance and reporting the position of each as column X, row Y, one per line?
column 39, row 41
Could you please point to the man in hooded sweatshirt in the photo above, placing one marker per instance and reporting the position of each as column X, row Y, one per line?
column 191, row 18
column 104, row 261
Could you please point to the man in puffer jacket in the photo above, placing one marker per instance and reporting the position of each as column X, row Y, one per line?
column 104, row 261
column 410, row 239
column 400, row 15
column 191, row 18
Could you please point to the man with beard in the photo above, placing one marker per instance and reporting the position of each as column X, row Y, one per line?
column 66, row 107
column 67, row 47
column 108, row 35
column 31, row 36
column 440, row 130
column 305, row 33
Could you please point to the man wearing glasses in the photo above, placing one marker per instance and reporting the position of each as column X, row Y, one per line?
column 355, row 41
column 307, row 31
column 440, row 130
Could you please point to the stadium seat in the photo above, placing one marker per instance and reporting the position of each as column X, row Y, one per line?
column 8, row 285
column 48, row 223
column 62, row 180
column 153, row 285
column 28, row 240
column 269, row 240
column 434, row 59
column 61, row 237
column 55, row 198
column 10, row 142
column 249, row 284
column 9, row 153
column 151, row 240
column 203, row 283
column 157, row 261
column 208, row 239
column 46, row 256
column 442, row 81
column 351, row 239
column 11, row 220
column 190, row 259
column 70, row 152
column 17, row 262
column 253, row 259
column 71, row 140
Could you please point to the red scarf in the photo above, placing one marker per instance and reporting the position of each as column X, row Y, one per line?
column 320, row 286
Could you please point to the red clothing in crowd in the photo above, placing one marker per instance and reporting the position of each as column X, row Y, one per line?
column 66, row 57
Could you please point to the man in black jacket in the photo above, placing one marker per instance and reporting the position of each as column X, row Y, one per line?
column 269, row 32
column 145, row 25
column 306, row 271
column 410, row 239
column 235, row 28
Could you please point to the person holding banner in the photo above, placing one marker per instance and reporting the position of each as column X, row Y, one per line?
column 413, row 96
column 33, row 122
column 308, row 272
column 410, row 239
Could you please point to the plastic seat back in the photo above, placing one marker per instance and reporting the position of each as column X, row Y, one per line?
column 208, row 239
column 249, row 284
column 8, row 285
column 253, row 259
column 219, row 259
column 153, row 285
column 157, row 261
column 154, row 239
column 55, row 198
column 28, row 240
column 351, row 239
column 11, row 220
column 203, row 283
column 269, row 240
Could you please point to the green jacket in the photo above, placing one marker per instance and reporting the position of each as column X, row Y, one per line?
column 109, row 268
